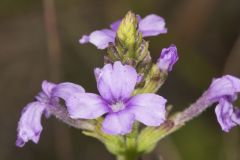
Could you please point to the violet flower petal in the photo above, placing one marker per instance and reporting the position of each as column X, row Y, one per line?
column 152, row 25
column 118, row 123
column 116, row 82
column 224, row 111
column 84, row 39
column 29, row 125
column 148, row 108
column 225, row 86
column 168, row 57
column 85, row 105
column 47, row 87
column 97, row 73
column 114, row 26
column 65, row 90
column 102, row 38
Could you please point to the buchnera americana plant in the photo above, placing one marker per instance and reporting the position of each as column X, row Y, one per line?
column 127, row 115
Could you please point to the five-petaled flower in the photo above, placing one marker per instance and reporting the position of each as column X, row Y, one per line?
column 115, row 84
column 224, row 90
column 151, row 25
column 29, row 125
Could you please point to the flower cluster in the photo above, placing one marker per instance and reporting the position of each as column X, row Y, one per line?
column 29, row 125
column 116, row 83
column 151, row 25
column 127, row 86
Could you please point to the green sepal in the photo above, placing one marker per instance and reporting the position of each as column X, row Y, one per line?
column 142, row 52
column 150, row 136
column 131, row 141
column 153, row 81
column 114, row 144
column 129, row 46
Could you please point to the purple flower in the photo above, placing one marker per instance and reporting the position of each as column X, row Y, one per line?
column 29, row 125
column 224, row 112
column 224, row 90
column 151, row 25
column 168, row 57
column 115, row 84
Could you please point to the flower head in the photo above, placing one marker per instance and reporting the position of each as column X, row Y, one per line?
column 115, row 84
column 224, row 112
column 151, row 25
column 226, row 86
column 168, row 57
column 224, row 90
column 29, row 125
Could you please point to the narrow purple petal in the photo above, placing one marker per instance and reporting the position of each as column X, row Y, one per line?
column 114, row 26
column 225, row 86
column 102, row 38
column 168, row 57
column 152, row 25
column 148, row 108
column 85, row 106
column 97, row 73
column 139, row 18
column 47, row 87
column 118, row 123
column 224, row 111
column 65, row 90
column 116, row 82
column 29, row 125
column 84, row 39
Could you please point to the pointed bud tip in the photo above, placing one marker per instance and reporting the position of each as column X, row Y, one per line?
column 128, row 24
column 130, row 17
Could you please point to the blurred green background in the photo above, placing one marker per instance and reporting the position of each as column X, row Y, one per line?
column 39, row 40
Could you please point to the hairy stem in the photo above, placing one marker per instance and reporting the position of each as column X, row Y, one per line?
column 186, row 115
column 62, row 114
column 192, row 111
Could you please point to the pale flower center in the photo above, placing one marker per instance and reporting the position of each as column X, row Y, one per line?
column 118, row 106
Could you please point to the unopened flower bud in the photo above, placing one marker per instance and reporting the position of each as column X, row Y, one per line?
column 168, row 58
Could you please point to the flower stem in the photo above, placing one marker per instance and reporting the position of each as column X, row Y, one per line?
column 150, row 136
column 127, row 157
column 187, row 115
column 61, row 113
column 192, row 111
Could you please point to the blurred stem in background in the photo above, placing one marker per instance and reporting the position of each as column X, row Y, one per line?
column 63, row 145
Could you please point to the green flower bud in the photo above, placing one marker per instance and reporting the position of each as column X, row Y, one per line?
column 153, row 80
